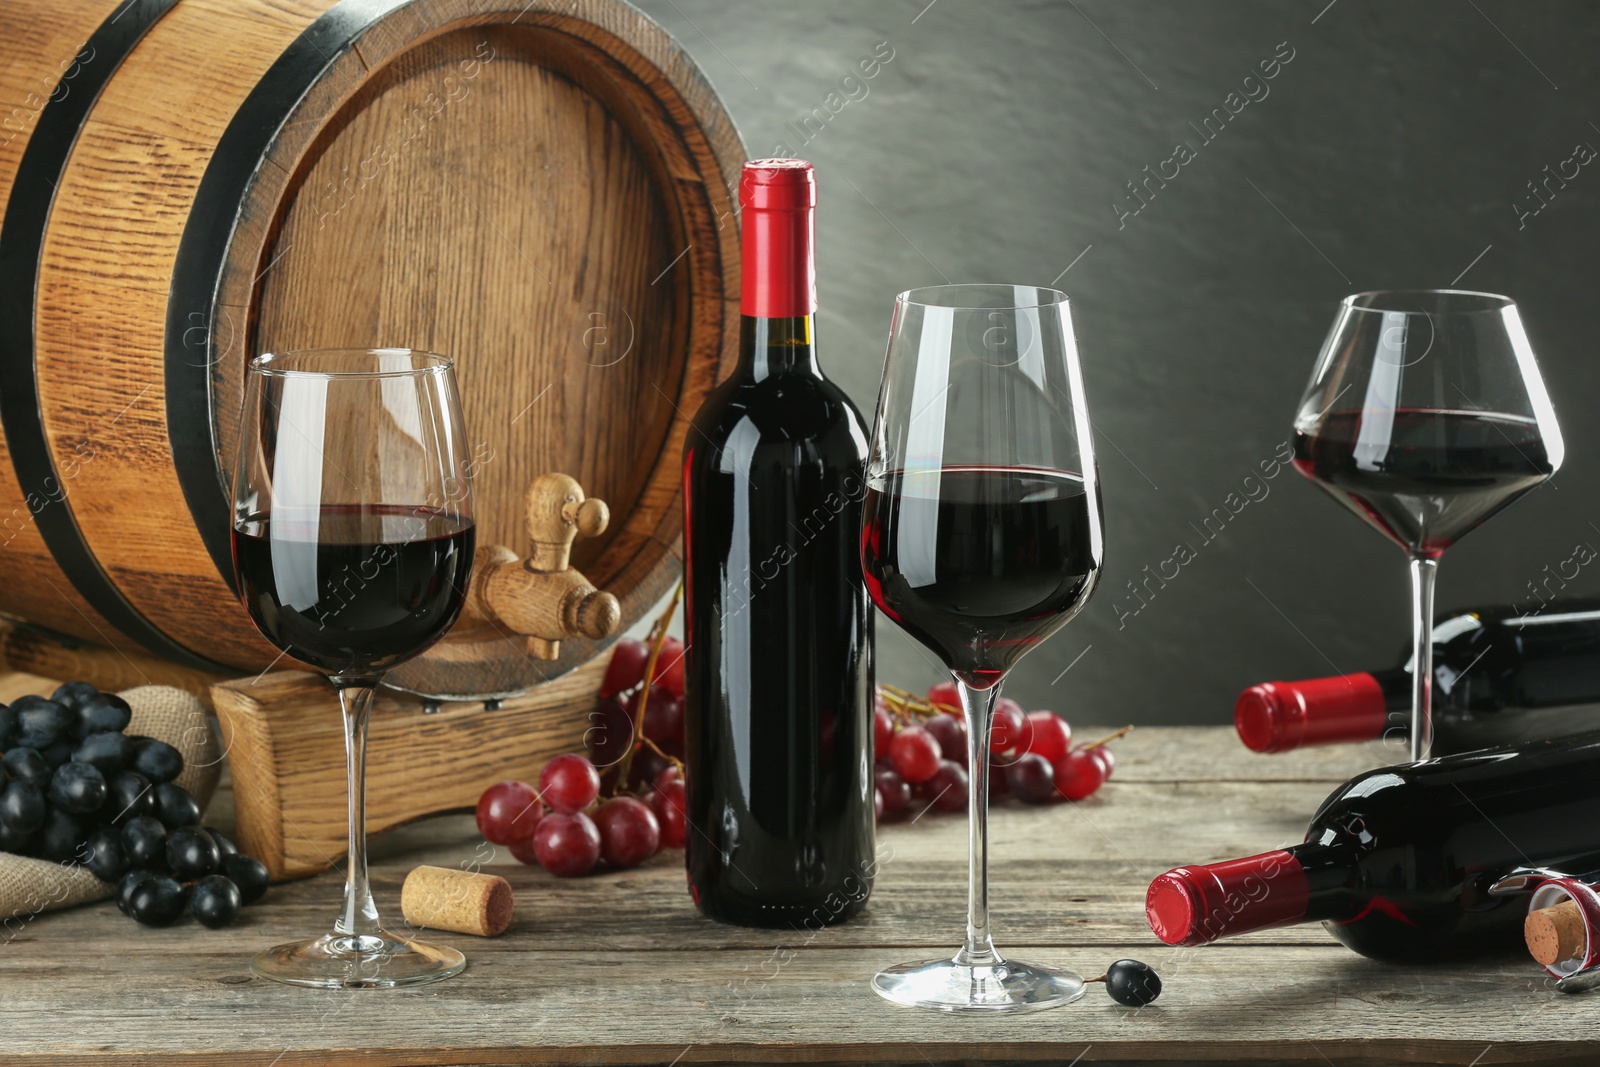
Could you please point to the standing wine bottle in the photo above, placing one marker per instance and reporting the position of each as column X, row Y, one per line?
column 1398, row 861
column 779, row 675
column 1499, row 678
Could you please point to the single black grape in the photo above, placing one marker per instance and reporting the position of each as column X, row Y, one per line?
column 157, row 901
column 79, row 788
column 109, row 752
column 43, row 719
column 26, row 764
column 175, row 807
column 215, row 901
column 63, row 836
column 104, row 855
column 192, row 854
column 103, row 713
column 248, row 873
column 144, row 839
column 22, row 807
column 128, row 793
column 73, row 694
column 8, row 727
column 224, row 846
column 16, row 842
column 1132, row 983
column 126, row 883
column 157, row 760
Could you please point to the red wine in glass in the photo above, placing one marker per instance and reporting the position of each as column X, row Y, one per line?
column 1426, row 478
column 352, row 551
column 354, row 589
column 978, row 563
column 981, row 537
column 1426, row 415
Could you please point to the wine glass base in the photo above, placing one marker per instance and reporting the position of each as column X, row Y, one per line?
column 1004, row 986
column 370, row 961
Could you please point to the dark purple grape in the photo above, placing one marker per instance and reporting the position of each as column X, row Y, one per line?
column 144, row 839
column 951, row 733
column 1031, row 779
column 109, row 752
column 104, row 855
column 78, row 788
column 224, row 845
column 248, row 873
column 73, row 694
column 157, row 901
column 215, row 901
column 103, row 713
column 22, row 807
column 128, row 793
column 175, row 807
column 8, row 727
column 948, row 788
column 40, row 722
column 16, row 842
column 126, row 883
column 191, row 853
column 157, row 760
column 1132, row 983
column 24, row 764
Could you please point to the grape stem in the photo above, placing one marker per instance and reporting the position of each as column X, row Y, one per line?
column 658, row 637
column 1091, row 981
column 1108, row 738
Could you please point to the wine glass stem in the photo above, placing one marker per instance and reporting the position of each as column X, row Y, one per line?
column 360, row 915
column 1422, row 575
column 979, row 707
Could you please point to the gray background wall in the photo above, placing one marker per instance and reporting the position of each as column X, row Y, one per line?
column 1388, row 152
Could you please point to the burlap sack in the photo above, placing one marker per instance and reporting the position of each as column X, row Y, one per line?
column 30, row 886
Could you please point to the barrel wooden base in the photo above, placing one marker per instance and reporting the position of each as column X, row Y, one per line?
column 285, row 744
column 108, row 669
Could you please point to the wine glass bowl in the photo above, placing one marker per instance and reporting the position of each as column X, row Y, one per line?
column 1426, row 416
column 981, row 536
column 352, row 542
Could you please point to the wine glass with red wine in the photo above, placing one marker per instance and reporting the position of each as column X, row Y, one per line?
column 981, row 537
column 352, row 543
column 1425, row 416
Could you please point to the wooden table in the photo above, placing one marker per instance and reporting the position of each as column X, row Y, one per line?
column 620, row 969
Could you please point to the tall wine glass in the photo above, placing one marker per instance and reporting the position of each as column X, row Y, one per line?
column 981, row 537
column 352, row 543
column 1425, row 416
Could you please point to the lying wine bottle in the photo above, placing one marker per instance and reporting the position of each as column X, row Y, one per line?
column 1499, row 677
column 1398, row 862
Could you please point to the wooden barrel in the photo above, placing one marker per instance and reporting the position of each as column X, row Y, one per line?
column 541, row 190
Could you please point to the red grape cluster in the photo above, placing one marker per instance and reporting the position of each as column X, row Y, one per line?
column 920, row 745
column 623, row 802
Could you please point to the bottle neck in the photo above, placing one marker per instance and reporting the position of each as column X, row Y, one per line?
column 1279, row 716
column 771, row 346
column 1299, row 884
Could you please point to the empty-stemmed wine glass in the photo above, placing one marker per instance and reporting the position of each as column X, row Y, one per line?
column 981, row 537
column 1426, row 415
column 352, row 544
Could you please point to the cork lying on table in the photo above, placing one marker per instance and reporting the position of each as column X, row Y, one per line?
column 444, row 898
column 1556, row 934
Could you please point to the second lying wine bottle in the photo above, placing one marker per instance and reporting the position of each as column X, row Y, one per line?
column 1398, row 862
column 1499, row 677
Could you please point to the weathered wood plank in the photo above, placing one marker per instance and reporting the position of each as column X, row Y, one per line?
column 619, row 969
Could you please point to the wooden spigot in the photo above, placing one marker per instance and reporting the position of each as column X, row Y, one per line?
column 542, row 597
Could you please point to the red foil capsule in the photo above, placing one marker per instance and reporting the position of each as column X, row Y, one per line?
column 777, row 201
column 1279, row 716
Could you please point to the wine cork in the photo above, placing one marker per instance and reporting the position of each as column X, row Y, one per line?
column 447, row 899
column 1556, row 934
